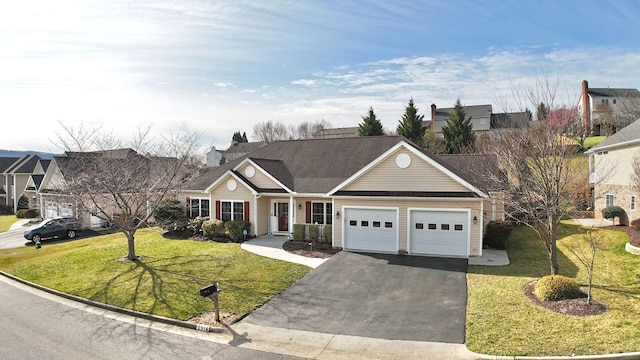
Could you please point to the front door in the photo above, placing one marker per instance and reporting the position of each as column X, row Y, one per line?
column 283, row 216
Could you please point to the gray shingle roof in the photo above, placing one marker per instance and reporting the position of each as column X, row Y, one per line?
column 6, row 162
column 473, row 111
column 614, row 92
column 319, row 165
column 629, row 133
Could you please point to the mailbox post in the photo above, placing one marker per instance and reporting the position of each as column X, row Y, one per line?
column 211, row 291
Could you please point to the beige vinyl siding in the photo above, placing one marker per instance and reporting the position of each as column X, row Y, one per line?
column 301, row 212
column 419, row 176
column 241, row 193
column 616, row 166
column 264, row 215
column 259, row 179
column 403, row 205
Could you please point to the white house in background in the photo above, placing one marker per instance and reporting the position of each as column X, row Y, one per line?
column 593, row 99
column 611, row 171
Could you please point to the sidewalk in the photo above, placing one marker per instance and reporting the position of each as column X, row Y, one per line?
column 271, row 246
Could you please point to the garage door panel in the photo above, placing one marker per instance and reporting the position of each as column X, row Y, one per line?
column 371, row 230
column 439, row 232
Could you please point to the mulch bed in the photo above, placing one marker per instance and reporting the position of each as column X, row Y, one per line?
column 188, row 235
column 316, row 250
column 575, row 307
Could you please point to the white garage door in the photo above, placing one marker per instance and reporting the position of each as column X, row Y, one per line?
column 54, row 209
column 371, row 230
column 439, row 232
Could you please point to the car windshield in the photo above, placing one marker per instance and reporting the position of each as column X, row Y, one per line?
column 44, row 222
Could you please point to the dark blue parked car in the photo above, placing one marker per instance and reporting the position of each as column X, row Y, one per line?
column 54, row 228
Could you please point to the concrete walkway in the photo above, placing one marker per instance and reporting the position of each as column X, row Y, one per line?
column 271, row 246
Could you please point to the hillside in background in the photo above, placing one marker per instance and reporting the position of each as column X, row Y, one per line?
column 19, row 153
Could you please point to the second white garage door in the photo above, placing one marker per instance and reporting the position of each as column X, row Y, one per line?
column 437, row 232
column 371, row 229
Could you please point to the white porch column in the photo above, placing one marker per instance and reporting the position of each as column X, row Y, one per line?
column 292, row 209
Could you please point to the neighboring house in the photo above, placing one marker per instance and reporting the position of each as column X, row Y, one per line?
column 380, row 194
column 611, row 171
column 6, row 183
column 16, row 177
column 482, row 117
column 337, row 133
column 236, row 150
column 593, row 100
column 53, row 196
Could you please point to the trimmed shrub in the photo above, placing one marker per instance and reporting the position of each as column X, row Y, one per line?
column 170, row 214
column 327, row 234
column 557, row 287
column 6, row 209
column 298, row 232
column 635, row 224
column 233, row 229
column 26, row 214
column 212, row 228
column 314, row 231
column 612, row 212
column 195, row 224
column 497, row 234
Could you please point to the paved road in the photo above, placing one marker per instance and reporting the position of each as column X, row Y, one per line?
column 12, row 239
column 34, row 327
column 374, row 295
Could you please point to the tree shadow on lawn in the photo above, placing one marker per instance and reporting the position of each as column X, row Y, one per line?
column 160, row 284
column 528, row 256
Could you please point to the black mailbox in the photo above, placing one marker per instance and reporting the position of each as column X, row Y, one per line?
column 209, row 290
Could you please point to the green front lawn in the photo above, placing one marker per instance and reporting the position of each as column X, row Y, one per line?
column 6, row 221
column 165, row 282
column 502, row 321
column 592, row 141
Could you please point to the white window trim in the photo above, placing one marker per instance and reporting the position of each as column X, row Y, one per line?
column 232, row 211
column 325, row 214
column 199, row 206
column 613, row 200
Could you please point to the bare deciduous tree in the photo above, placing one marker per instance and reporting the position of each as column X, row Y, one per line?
column 270, row 131
column 541, row 180
column 584, row 248
column 542, row 183
column 123, row 183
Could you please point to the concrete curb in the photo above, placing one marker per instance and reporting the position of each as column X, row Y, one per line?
column 156, row 318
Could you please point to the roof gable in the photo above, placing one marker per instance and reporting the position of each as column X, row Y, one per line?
column 442, row 172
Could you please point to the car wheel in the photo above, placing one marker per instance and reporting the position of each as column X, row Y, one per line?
column 36, row 238
column 71, row 234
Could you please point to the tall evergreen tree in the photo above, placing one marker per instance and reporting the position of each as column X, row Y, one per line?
column 411, row 124
column 239, row 138
column 458, row 132
column 370, row 126
column 542, row 112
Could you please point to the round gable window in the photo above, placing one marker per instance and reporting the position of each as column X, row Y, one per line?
column 403, row 160
column 249, row 171
column 232, row 185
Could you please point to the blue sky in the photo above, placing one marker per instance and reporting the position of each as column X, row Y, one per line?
column 221, row 66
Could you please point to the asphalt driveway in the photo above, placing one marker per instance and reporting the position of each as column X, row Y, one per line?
column 375, row 295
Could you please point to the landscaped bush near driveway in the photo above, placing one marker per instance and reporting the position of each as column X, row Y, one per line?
column 6, row 210
column 313, row 232
column 234, row 229
column 298, row 232
column 497, row 234
column 212, row 228
column 26, row 214
column 195, row 224
column 612, row 212
column 327, row 234
column 556, row 287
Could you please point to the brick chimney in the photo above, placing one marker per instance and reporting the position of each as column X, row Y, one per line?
column 586, row 108
column 432, row 124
